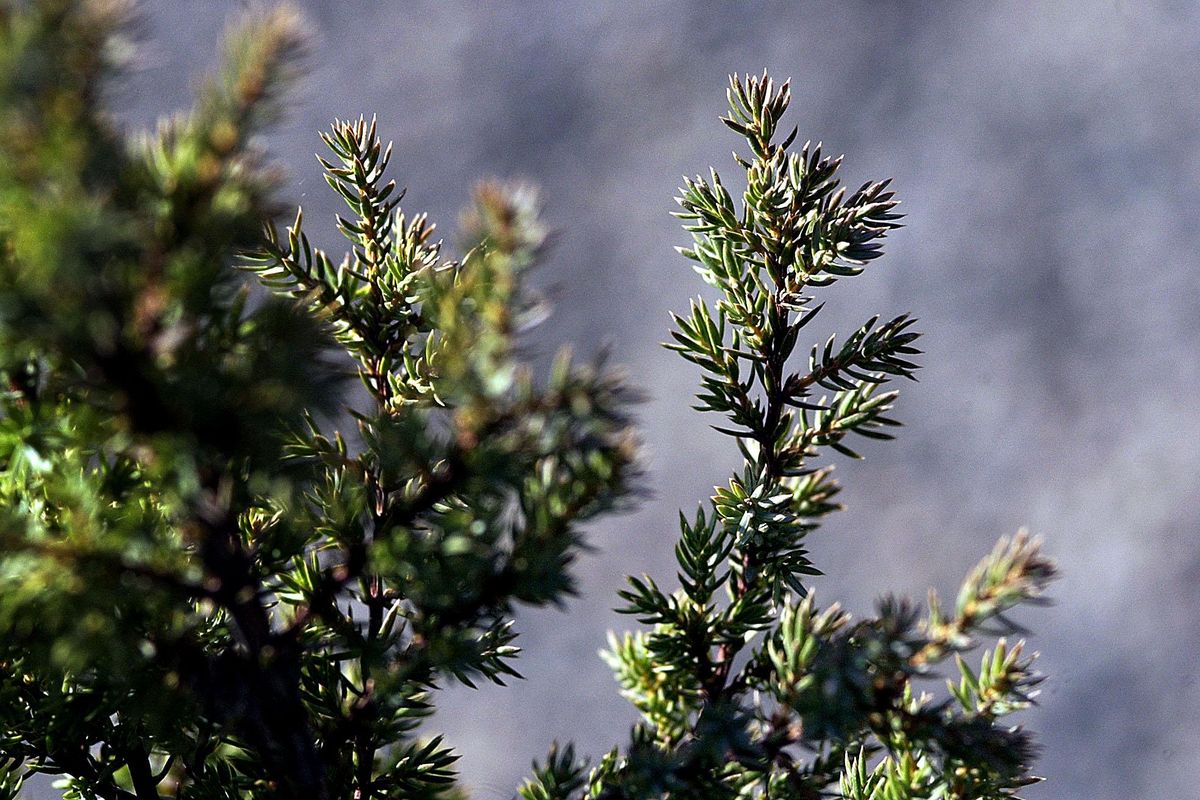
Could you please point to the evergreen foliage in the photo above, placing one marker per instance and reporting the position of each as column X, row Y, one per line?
column 748, row 688
column 208, row 590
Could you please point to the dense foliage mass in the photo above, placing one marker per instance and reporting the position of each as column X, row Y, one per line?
column 207, row 590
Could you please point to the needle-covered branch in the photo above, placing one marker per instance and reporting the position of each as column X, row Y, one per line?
column 745, row 686
column 208, row 589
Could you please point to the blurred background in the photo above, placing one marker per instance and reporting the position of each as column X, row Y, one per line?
column 1048, row 156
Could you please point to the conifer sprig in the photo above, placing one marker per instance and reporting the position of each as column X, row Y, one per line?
column 746, row 688
column 437, row 535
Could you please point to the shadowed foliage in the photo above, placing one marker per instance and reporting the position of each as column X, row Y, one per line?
column 208, row 591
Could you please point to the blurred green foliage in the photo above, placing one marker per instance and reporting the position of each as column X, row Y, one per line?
column 207, row 591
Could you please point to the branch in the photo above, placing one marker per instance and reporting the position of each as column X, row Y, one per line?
column 138, row 761
column 869, row 354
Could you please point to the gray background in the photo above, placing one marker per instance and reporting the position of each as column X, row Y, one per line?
column 1048, row 156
